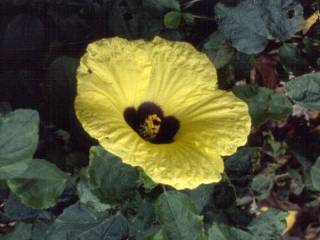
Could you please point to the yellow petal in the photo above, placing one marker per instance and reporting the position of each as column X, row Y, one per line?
column 180, row 164
column 102, row 120
column 216, row 120
column 308, row 23
column 178, row 70
column 290, row 219
column 117, row 68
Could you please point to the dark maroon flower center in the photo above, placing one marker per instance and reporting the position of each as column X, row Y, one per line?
column 151, row 124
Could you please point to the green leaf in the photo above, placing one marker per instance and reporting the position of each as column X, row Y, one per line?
column 225, row 232
column 201, row 195
column 81, row 223
column 144, row 223
column 218, row 50
column 14, row 209
column 243, row 64
column 264, row 103
column 157, row 236
column 268, row 225
column 297, row 178
column 160, row 7
column 188, row 17
column 310, row 49
column 305, row 90
column 277, row 149
column 18, row 135
column 239, row 169
column 250, row 24
column 241, row 163
column 315, row 174
column 128, row 19
column 172, row 35
column 10, row 169
column 86, row 194
column 226, row 77
column 41, row 225
column 112, row 180
column 223, row 196
column 22, row 231
column 179, row 218
column 147, row 182
column 113, row 228
column 40, row 185
column 279, row 106
column 262, row 185
column 172, row 20
column 18, row 141
column 291, row 59
column 305, row 163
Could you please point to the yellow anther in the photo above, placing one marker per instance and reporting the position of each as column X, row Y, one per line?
column 151, row 126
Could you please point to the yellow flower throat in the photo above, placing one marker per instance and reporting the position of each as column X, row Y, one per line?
column 151, row 126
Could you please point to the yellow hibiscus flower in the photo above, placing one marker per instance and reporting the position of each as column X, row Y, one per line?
column 157, row 105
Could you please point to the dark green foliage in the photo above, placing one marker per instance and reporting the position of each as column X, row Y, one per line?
column 144, row 223
column 172, row 20
column 37, row 189
column 201, row 196
column 315, row 174
column 76, row 194
column 218, row 50
column 223, row 232
column 305, row 90
column 18, row 135
column 179, row 217
column 240, row 165
column 268, row 225
column 264, row 103
column 291, row 58
column 79, row 222
column 262, row 185
column 21, row 232
column 223, row 196
column 111, row 180
column 250, row 32
column 86, row 194
column 24, row 175
column 16, row 210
